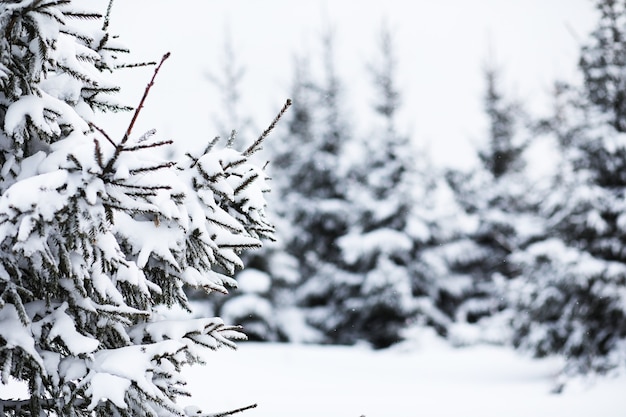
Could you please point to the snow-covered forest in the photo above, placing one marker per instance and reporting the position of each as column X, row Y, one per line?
column 331, row 237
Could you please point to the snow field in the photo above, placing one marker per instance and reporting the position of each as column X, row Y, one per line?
column 426, row 378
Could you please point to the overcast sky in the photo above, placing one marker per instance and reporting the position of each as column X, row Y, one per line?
column 442, row 46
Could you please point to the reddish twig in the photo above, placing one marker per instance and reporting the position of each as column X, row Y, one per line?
column 103, row 133
column 143, row 99
column 120, row 147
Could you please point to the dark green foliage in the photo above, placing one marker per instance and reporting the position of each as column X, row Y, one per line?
column 313, row 191
column 569, row 298
column 570, row 304
column 498, row 201
column 375, row 301
column 602, row 63
column 504, row 152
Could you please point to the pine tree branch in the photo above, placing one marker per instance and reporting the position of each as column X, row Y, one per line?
column 257, row 144
column 225, row 413
column 208, row 148
column 141, row 187
column 149, row 145
column 103, row 133
column 107, row 17
column 82, row 77
column 211, row 145
column 88, row 16
column 120, row 147
column 23, row 406
column 135, row 64
column 246, row 183
column 152, row 168
column 143, row 99
column 98, row 153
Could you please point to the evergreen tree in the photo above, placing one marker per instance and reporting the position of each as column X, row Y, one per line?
column 496, row 198
column 503, row 153
column 252, row 306
column 309, row 179
column 603, row 60
column 569, row 299
column 375, row 303
column 97, row 233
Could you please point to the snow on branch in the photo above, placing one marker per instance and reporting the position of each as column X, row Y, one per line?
column 96, row 235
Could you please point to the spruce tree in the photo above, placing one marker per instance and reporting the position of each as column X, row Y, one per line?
column 569, row 299
column 495, row 196
column 253, row 304
column 376, row 303
column 307, row 166
column 97, row 232
column 503, row 153
column 603, row 60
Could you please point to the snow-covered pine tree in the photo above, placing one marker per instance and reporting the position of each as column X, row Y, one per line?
column 496, row 196
column 310, row 185
column 503, row 153
column 97, row 233
column 379, row 248
column 252, row 305
column 570, row 297
column 602, row 63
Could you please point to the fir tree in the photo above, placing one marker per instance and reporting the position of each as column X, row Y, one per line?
column 376, row 303
column 603, row 60
column 495, row 196
column 96, row 232
column 253, row 305
column 503, row 153
column 309, row 173
column 569, row 299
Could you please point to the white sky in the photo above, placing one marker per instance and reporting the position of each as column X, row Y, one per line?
column 442, row 46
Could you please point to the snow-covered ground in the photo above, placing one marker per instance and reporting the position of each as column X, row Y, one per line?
column 424, row 378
